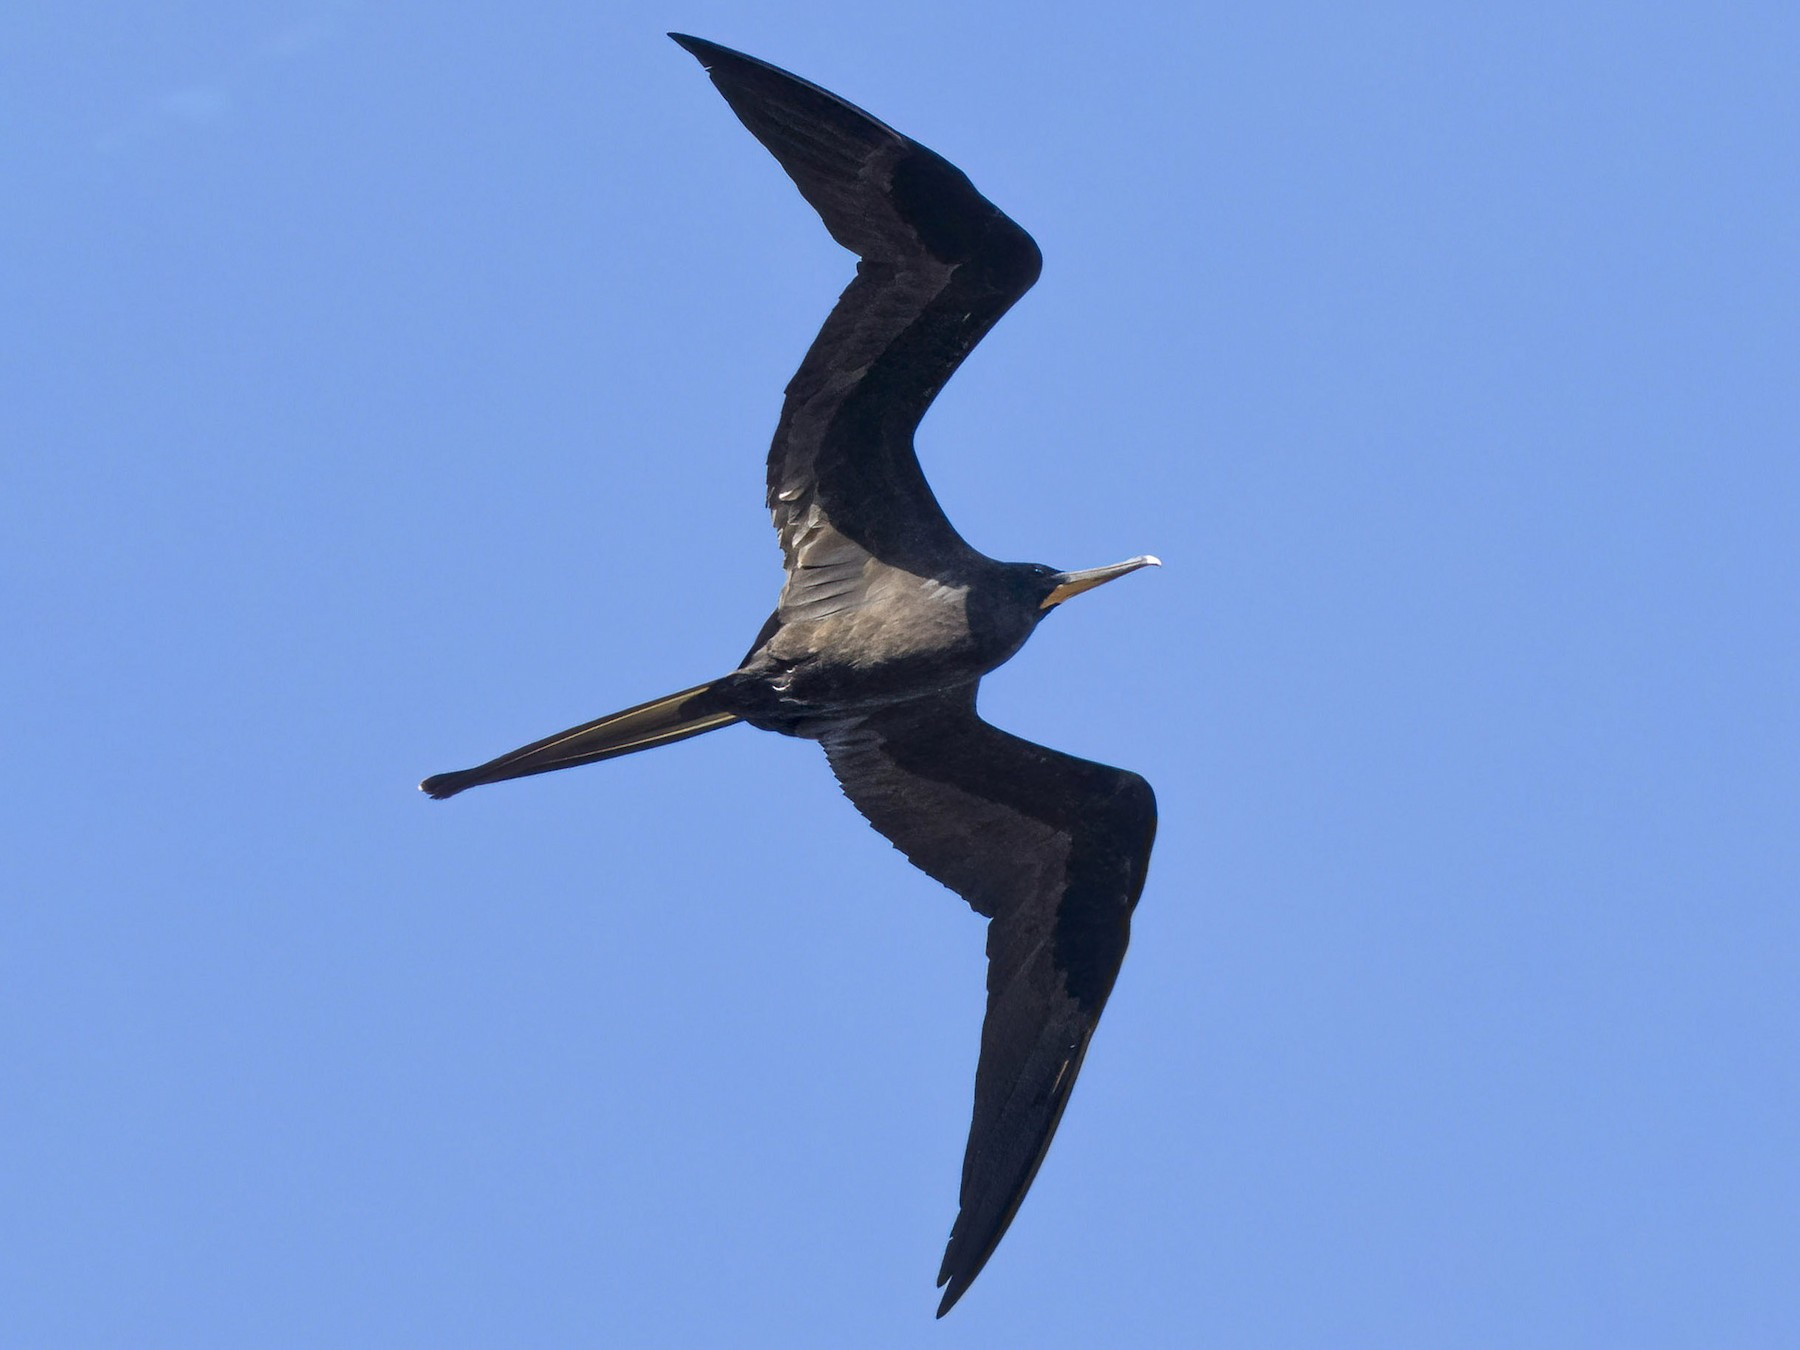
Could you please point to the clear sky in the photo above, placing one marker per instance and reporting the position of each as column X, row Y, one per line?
column 385, row 385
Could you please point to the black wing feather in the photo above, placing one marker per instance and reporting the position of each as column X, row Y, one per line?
column 1053, row 849
column 939, row 265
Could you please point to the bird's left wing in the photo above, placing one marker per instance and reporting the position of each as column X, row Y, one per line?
column 1053, row 849
column 939, row 264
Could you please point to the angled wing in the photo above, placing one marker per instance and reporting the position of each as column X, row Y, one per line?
column 939, row 265
column 1053, row 849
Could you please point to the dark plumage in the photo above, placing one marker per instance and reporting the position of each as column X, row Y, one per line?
column 888, row 621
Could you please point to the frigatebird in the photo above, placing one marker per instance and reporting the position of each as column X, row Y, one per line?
column 888, row 620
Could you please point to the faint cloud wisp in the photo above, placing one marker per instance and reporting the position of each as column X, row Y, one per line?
column 197, row 105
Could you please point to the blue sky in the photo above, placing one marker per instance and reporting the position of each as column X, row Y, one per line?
column 387, row 384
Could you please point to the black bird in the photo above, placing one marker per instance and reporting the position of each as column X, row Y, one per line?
column 888, row 621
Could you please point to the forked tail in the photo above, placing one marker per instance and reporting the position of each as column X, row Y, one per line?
column 660, row 722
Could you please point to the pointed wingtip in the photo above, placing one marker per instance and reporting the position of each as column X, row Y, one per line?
column 955, row 1275
column 699, row 48
column 956, row 1290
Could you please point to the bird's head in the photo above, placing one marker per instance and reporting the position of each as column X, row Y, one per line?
column 1053, row 587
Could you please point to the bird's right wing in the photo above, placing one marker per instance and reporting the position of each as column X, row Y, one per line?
column 1054, row 850
column 939, row 265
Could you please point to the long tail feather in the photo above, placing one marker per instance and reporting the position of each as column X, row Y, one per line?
column 660, row 722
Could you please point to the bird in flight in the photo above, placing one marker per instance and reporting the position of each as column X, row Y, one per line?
column 888, row 620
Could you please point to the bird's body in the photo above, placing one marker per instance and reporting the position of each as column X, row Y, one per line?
column 914, row 635
column 888, row 620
